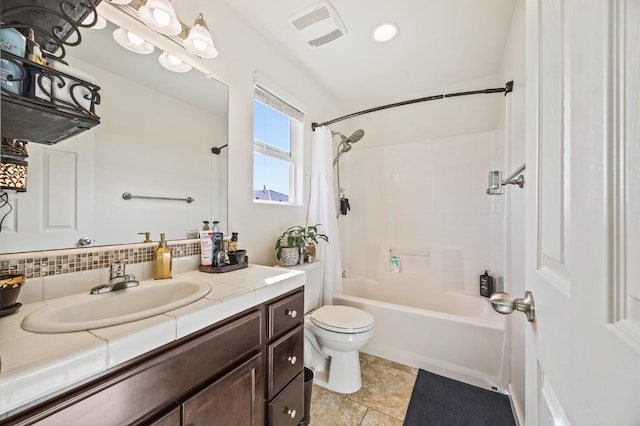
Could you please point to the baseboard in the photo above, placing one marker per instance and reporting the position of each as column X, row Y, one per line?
column 518, row 414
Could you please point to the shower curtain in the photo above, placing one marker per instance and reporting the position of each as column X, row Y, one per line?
column 322, row 210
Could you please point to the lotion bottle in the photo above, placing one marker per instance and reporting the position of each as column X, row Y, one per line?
column 162, row 260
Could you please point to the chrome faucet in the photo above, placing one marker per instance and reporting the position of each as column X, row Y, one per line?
column 118, row 279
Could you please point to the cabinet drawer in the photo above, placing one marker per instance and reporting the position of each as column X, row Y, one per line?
column 287, row 409
column 285, row 359
column 285, row 314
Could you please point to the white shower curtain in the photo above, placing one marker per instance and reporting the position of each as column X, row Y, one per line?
column 322, row 210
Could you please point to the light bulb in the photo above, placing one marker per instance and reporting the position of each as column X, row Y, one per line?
column 134, row 39
column 174, row 60
column 199, row 44
column 162, row 17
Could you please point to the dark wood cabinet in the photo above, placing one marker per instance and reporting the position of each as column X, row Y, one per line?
column 230, row 400
column 172, row 418
column 284, row 349
column 226, row 374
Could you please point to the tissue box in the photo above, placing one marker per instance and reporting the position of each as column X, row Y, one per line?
column 11, row 41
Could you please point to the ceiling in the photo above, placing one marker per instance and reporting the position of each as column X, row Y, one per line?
column 440, row 43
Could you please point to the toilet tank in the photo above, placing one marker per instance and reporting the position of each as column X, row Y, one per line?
column 313, row 286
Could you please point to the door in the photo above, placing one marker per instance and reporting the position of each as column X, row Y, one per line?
column 57, row 208
column 583, row 212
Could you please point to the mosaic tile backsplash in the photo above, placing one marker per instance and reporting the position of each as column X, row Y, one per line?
column 40, row 264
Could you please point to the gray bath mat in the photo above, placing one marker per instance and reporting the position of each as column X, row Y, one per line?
column 439, row 401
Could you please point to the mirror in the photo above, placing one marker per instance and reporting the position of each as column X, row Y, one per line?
column 155, row 139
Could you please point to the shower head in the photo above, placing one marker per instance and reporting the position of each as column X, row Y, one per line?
column 345, row 142
column 355, row 136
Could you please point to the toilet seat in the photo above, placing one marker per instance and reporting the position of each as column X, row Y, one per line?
column 342, row 319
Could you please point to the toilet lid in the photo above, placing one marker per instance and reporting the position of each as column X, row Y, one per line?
column 342, row 319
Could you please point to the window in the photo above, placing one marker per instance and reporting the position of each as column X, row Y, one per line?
column 277, row 134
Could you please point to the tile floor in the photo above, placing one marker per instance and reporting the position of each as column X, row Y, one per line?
column 382, row 400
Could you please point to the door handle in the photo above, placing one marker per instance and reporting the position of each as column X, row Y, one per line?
column 505, row 304
column 84, row 241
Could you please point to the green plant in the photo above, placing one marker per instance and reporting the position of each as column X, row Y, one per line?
column 292, row 237
column 299, row 237
column 311, row 235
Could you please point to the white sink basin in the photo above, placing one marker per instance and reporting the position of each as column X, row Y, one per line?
column 89, row 311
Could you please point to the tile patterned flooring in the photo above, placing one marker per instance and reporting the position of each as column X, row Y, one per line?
column 382, row 400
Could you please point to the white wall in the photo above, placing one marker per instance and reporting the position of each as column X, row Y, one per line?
column 242, row 52
column 513, row 124
column 426, row 196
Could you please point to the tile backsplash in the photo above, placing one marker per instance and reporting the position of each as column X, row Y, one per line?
column 44, row 263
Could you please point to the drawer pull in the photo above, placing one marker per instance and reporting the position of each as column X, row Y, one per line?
column 291, row 413
column 292, row 313
column 292, row 359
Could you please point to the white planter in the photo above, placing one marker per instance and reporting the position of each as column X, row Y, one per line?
column 289, row 256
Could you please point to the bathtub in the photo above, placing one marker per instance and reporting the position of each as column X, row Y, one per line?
column 453, row 334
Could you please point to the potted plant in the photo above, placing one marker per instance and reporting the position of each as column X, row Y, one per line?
column 311, row 236
column 297, row 241
column 289, row 245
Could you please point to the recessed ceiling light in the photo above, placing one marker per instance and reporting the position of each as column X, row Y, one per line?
column 385, row 32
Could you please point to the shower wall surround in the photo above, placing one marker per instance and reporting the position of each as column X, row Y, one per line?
column 426, row 197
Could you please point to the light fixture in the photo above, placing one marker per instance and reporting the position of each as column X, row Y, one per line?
column 173, row 63
column 100, row 22
column 160, row 16
column 199, row 41
column 132, row 42
column 385, row 32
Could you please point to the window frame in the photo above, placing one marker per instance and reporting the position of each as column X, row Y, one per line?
column 296, row 136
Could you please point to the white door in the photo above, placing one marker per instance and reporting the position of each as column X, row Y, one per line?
column 57, row 209
column 583, row 212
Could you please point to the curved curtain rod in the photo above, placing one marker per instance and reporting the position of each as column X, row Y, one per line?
column 508, row 88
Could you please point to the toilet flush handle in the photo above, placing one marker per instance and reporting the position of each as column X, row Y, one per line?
column 293, row 313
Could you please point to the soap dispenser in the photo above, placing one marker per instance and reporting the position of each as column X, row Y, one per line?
column 162, row 269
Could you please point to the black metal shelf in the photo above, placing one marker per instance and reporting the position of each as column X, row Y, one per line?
column 71, row 109
column 55, row 23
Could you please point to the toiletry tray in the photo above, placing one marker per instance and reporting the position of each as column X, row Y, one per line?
column 226, row 268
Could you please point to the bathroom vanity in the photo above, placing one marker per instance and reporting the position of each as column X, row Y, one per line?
column 244, row 368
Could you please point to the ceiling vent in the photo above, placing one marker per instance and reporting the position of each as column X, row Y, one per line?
column 319, row 24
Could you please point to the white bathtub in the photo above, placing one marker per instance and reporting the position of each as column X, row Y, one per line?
column 453, row 334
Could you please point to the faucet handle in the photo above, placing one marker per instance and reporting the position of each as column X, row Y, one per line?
column 116, row 269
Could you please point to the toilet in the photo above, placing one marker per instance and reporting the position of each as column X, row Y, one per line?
column 333, row 335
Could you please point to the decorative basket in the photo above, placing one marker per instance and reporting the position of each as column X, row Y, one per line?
column 9, row 289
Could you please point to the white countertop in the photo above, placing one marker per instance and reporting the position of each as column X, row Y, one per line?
column 33, row 366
